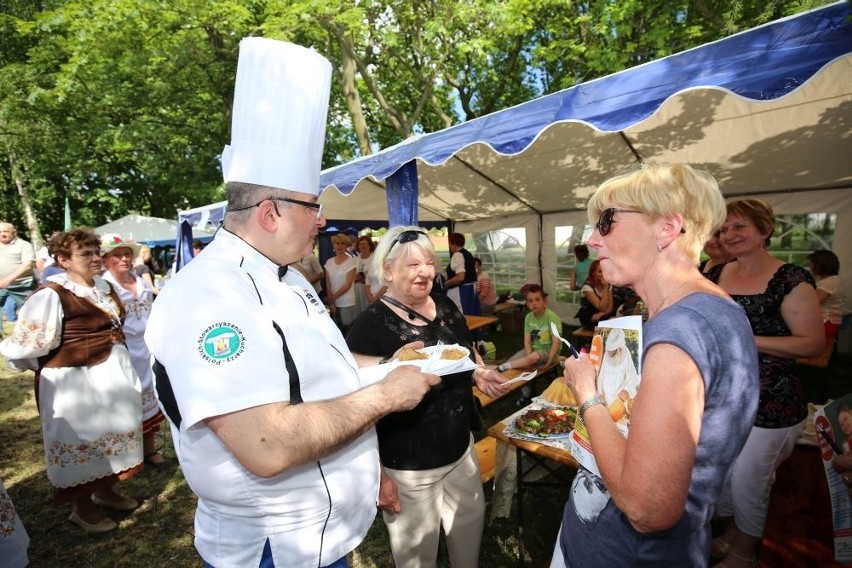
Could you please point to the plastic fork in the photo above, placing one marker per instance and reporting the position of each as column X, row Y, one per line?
column 555, row 333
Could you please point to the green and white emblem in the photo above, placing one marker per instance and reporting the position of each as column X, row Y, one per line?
column 221, row 342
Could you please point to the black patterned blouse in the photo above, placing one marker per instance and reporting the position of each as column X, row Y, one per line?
column 782, row 398
column 437, row 431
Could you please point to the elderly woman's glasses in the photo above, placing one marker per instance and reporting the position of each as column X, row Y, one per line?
column 406, row 237
column 604, row 224
column 87, row 254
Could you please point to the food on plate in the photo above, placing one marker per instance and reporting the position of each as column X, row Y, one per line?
column 559, row 393
column 410, row 354
column 546, row 422
column 453, row 354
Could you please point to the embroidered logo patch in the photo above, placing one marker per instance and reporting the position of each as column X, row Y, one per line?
column 221, row 342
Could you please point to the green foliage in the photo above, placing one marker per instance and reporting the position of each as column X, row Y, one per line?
column 124, row 105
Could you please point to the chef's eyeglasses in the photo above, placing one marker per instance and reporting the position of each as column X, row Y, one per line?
column 406, row 237
column 604, row 224
column 309, row 204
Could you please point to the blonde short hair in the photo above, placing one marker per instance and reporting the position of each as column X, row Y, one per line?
column 659, row 190
column 389, row 249
column 340, row 238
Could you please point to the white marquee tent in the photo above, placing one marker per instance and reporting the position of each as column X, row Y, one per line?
column 151, row 231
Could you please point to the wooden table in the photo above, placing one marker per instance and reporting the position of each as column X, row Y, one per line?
column 478, row 322
column 539, row 456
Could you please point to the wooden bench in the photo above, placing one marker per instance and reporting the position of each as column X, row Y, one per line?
column 486, row 451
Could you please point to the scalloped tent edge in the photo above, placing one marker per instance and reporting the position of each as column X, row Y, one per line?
column 766, row 111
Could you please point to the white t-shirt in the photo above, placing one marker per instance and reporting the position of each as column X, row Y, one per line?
column 337, row 275
column 212, row 329
column 832, row 307
column 44, row 255
column 457, row 265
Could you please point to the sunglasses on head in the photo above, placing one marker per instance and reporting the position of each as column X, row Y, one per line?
column 406, row 237
column 604, row 224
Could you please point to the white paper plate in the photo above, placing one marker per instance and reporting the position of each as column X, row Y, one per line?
column 434, row 364
column 437, row 366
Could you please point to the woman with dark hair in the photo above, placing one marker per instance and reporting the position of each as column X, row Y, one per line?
column 582, row 265
column 461, row 276
column 367, row 287
column 825, row 266
column 783, row 309
column 88, row 395
column 596, row 302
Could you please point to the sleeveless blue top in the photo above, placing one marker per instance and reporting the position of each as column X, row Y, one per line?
column 716, row 334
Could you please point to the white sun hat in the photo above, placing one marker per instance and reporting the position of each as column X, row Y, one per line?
column 279, row 116
column 113, row 241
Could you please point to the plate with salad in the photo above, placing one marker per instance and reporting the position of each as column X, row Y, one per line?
column 545, row 423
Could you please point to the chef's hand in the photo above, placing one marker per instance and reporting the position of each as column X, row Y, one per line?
column 388, row 494
column 404, row 387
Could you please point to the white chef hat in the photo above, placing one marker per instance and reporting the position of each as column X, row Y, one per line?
column 279, row 116
column 615, row 339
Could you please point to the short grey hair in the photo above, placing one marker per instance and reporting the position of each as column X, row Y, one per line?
column 243, row 196
column 387, row 253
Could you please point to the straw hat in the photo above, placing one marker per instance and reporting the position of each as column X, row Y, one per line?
column 114, row 241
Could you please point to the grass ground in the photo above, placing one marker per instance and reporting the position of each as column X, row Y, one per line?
column 160, row 532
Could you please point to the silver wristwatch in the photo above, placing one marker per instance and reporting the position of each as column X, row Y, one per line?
column 588, row 404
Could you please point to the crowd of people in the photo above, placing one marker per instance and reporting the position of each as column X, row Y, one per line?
column 291, row 449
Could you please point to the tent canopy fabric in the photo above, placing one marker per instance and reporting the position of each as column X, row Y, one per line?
column 151, row 231
column 767, row 110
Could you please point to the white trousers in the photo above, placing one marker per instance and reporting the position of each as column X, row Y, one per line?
column 746, row 492
column 450, row 496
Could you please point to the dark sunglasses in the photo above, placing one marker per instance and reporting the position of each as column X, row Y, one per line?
column 604, row 224
column 406, row 237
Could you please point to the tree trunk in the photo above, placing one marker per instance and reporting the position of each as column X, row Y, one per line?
column 348, row 82
column 30, row 218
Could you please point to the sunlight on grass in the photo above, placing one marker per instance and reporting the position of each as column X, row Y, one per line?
column 160, row 531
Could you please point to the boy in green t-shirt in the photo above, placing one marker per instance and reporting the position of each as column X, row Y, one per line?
column 541, row 348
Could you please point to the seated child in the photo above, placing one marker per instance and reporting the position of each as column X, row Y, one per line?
column 541, row 347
